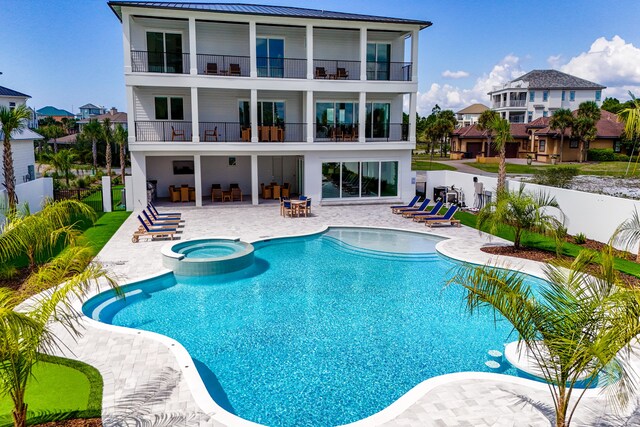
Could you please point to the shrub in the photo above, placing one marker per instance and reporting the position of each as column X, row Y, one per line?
column 580, row 239
column 556, row 176
column 117, row 180
column 605, row 155
column 81, row 182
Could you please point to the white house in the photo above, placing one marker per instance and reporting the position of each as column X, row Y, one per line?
column 540, row 92
column 469, row 115
column 234, row 93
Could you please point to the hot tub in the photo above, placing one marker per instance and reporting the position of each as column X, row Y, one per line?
column 204, row 257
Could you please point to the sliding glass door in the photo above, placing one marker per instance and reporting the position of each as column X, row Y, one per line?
column 270, row 57
column 341, row 180
column 270, row 113
column 377, row 124
column 378, row 61
column 164, row 52
column 335, row 120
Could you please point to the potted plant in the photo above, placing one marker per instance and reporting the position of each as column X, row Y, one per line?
column 554, row 159
column 529, row 159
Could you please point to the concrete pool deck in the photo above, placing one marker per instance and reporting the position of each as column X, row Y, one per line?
column 147, row 381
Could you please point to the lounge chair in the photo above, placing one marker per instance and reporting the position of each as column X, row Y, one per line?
column 426, row 210
column 421, row 208
column 411, row 204
column 162, row 222
column 161, row 214
column 156, row 217
column 444, row 219
column 420, row 217
column 152, row 232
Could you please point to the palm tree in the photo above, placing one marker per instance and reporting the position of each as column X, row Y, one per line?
column 628, row 233
column 62, row 161
column 631, row 118
column 13, row 120
column 120, row 137
column 92, row 132
column 561, row 120
column 502, row 129
column 522, row 211
column 484, row 121
column 584, row 125
column 107, row 134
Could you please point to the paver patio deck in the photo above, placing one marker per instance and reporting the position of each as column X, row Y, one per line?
column 145, row 383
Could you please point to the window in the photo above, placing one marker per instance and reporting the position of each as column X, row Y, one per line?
column 169, row 108
column 545, row 96
column 529, row 116
column 164, row 52
column 232, row 161
column 573, row 143
column 270, row 113
column 564, row 95
column 532, row 96
column 598, row 95
column 572, row 95
column 270, row 57
column 542, row 145
column 545, row 113
column 12, row 106
column 333, row 117
column 378, row 61
column 617, row 146
column 359, row 179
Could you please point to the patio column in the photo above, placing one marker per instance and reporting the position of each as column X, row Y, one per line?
column 413, row 107
column 362, row 117
column 254, row 115
column 197, row 174
column 252, row 50
column 255, row 190
column 126, row 41
column 309, row 116
column 193, row 55
column 139, row 174
column 310, row 51
column 363, row 54
column 131, row 123
column 195, row 116
column 414, row 55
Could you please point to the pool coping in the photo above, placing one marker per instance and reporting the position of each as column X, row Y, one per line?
column 207, row 404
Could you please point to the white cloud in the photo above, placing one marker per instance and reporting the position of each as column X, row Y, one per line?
column 555, row 61
column 453, row 97
column 460, row 74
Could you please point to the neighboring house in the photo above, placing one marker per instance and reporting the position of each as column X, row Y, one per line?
column 469, row 115
column 540, row 92
column 88, row 110
column 537, row 140
column 116, row 117
column 243, row 94
column 56, row 113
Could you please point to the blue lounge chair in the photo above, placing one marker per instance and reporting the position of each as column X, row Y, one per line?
column 161, row 223
column 160, row 214
column 420, row 208
column 419, row 217
column 411, row 204
column 446, row 218
column 411, row 212
column 157, row 217
column 152, row 232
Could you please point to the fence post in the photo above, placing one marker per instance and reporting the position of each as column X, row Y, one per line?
column 106, row 194
column 128, row 191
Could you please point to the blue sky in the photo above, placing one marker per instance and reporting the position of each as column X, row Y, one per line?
column 67, row 53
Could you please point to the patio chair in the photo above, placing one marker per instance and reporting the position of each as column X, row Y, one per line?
column 306, row 209
column 212, row 68
column 285, row 208
column 444, row 219
column 216, row 192
column 236, row 194
column 411, row 204
column 213, row 134
column 234, row 70
column 265, row 191
column 161, row 214
column 174, row 194
column 422, row 207
column 176, row 133
column 184, row 193
column 321, row 73
column 162, row 223
column 152, row 232
column 408, row 213
column 286, row 190
column 342, row 73
column 422, row 216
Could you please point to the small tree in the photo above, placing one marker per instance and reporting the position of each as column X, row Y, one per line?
column 523, row 212
column 120, row 136
column 561, row 120
column 12, row 120
column 92, row 132
column 502, row 130
column 107, row 134
column 584, row 125
column 484, row 121
column 62, row 161
column 577, row 328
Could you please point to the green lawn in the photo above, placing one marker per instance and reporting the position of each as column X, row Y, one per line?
column 426, row 165
column 511, row 168
column 602, row 168
column 105, row 227
column 60, row 389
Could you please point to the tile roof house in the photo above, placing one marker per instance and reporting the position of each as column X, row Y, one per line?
column 88, row 110
column 56, row 113
column 115, row 116
column 469, row 115
column 539, row 93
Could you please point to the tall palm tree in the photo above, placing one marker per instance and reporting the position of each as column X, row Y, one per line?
column 92, row 132
column 484, row 121
column 584, row 125
column 631, row 118
column 502, row 135
column 561, row 120
column 12, row 120
column 120, row 136
column 578, row 326
column 107, row 134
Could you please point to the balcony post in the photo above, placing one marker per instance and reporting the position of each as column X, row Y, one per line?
column 253, row 62
column 413, row 106
column 362, row 117
column 310, row 51
column 309, row 116
column 254, row 114
column 197, row 175
column 363, row 54
column 126, row 41
column 195, row 116
column 131, row 119
column 193, row 55
column 414, row 55
column 254, row 179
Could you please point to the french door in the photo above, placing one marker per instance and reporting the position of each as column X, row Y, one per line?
column 164, row 52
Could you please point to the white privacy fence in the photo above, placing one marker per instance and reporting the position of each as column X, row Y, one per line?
column 595, row 215
column 34, row 193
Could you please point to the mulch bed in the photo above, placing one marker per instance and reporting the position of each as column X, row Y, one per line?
column 92, row 422
column 16, row 282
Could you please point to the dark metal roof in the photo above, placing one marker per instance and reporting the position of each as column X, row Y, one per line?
column 267, row 10
column 554, row 79
column 5, row 91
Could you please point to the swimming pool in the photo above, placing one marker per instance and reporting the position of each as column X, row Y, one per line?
column 321, row 330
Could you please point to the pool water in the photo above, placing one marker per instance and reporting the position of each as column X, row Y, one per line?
column 209, row 249
column 321, row 330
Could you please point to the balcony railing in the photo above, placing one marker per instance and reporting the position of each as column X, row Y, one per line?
column 289, row 68
column 393, row 71
column 163, row 130
column 336, row 69
column 349, row 132
column 159, row 62
column 391, row 132
column 223, row 65
column 237, row 132
column 517, row 102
